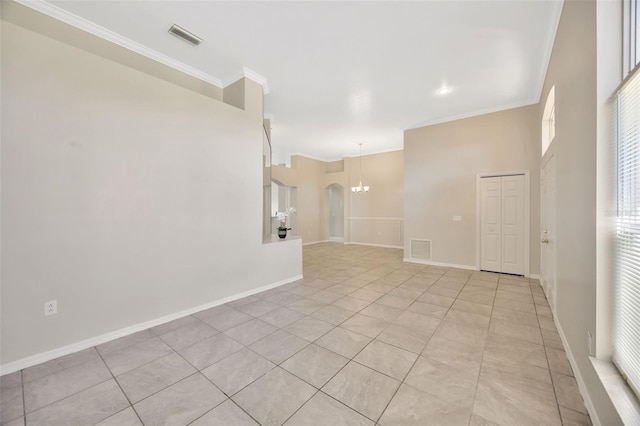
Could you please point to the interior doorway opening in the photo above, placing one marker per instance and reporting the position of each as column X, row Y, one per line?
column 335, row 197
column 283, row 197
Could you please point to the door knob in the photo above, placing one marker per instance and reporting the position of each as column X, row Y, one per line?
column 545, row 239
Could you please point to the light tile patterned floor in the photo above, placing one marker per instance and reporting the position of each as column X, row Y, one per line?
column 363, row 339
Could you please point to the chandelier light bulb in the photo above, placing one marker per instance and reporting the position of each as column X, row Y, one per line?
column 360, row 189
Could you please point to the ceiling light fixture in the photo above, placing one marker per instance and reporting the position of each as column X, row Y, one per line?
column 185, row 35
column 444, row 90
column 360, row 189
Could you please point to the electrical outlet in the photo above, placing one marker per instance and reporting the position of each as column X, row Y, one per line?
column 51, row 307
column 590, row 343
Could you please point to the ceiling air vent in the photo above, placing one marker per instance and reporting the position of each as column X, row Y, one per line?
column 185, row 35
column 420, row 249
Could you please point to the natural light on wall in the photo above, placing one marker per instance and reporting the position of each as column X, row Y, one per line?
column 549, row 120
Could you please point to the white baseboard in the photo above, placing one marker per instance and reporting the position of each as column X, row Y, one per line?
column 103, row 338
column 588, row 403
column 534, row 276
column 374, row 245
column 336, row 239
column 446, row 265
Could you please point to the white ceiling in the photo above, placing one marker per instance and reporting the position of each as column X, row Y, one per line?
column 343, row 72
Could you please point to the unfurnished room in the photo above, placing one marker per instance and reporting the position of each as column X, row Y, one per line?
column 319, row 213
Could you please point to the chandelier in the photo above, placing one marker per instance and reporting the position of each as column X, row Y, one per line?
column 360, row 189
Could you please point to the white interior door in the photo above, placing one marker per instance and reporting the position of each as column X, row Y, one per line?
column 502, row 224
column 513, row 224
column 490, row 225
column 548, row 227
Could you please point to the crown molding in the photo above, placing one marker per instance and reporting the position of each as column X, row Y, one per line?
column 76, row 21
column 250, row 74
column 92, row 28
column 549, row 42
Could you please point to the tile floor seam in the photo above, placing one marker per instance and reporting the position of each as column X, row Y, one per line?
column 253, row 381
column 121, row 390
column 208, row 411
column 300, row 407
column 342, row 403
column 24, row 405
column 197, row 372
column 129, row 345
column 65, row 397
column 546, row 356
column 228, row 397
column 141, row 365
column 158, row 391
column 400, row 385
column 57, row 371
column 353, row 360
column 475, row 393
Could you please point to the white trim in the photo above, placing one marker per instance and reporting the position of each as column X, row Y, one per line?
column 527, row 214
column 250, row 74
column 55, row 12
column 546, row 157
column 446, row 265
column 623, row 398
column 92, row 28
column 374, row 245
column 316, row 242
column 376, row 218
column 336, row 239
column 103, row 338
column 549, row 42
column 588, row 403
column 534, row 276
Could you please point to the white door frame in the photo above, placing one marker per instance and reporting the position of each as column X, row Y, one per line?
column 527, row 214
column 549, row 153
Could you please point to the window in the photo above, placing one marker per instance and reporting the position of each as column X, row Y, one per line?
column 552, row 124
column 549, row 120
column 631, row 38
column 626, row 321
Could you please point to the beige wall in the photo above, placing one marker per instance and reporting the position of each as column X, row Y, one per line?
column 377, row 216
column 310, row 194
column 372, row 218
column 440, row 167
column 68, row 34
column 573, row 72
column 124, row 197
column 284, row 175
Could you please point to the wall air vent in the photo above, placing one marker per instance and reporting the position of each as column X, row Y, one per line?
column 420, row 249
column 185, row 35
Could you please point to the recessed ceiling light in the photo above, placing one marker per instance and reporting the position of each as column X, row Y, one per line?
column 444, row 90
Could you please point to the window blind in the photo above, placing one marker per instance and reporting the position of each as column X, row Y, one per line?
column 626, row 332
